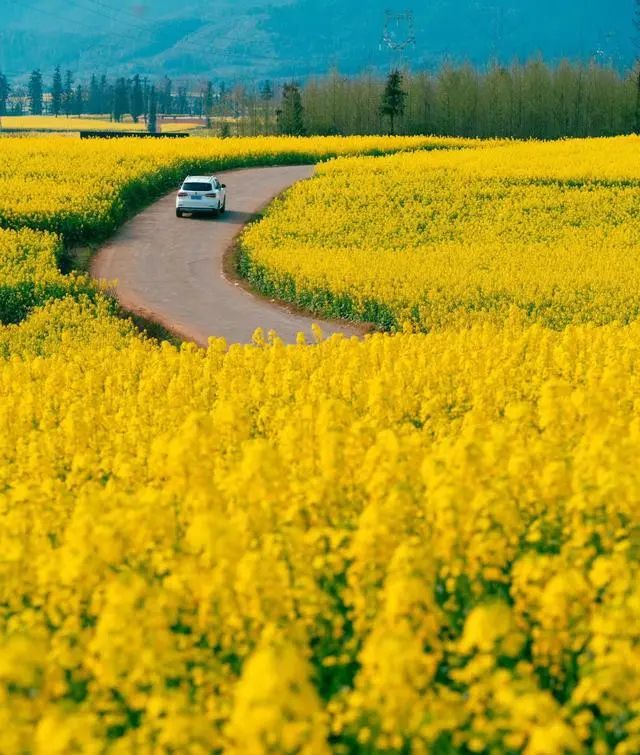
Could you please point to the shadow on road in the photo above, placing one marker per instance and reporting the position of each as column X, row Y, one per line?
column 231, row 216
column 239, row 218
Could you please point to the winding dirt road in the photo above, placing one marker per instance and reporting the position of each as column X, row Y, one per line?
column 170, row 270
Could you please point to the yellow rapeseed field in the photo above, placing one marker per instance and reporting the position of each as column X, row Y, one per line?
column 430, row 239
column 86, row 188
column 411, row 543
column 30, row 275
column 86, row 123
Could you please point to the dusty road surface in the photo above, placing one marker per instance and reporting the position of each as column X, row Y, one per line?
column 170, row 269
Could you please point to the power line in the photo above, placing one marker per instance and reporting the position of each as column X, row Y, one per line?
column 98, row 10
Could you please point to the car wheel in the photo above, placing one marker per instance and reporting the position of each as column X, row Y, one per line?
column 223, row 209
column 178, row 213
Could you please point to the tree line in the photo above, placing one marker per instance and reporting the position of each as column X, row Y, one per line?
column 532, row 100
column 99, row 95
column 528, row 100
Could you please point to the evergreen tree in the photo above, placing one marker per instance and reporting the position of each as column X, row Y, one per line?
column 67, row 97
column 208, row 103
column 94, row 99
column 239, row 108
column 223, row 104
column 267, row 95
column 5, row 90
column 35, row 92
column 290, row 115
column 393, row 99
column 182, row 101
column 266, row 91
column 56, row 92
column 119, row 100
column 78, row 100
column 105, row 96
column 137, row 103
column 145, row 98
column 152, row 117
column 165, row 101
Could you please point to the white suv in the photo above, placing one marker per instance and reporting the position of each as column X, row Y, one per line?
column 201, row 194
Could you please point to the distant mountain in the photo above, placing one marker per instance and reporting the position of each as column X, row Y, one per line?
column 255, row 39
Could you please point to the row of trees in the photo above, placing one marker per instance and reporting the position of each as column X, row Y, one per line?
column 532, row 100
column 521, row 101
column 63, row 95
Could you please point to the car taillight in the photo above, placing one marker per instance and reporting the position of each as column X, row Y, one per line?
column 211, row 196
column 182, row 194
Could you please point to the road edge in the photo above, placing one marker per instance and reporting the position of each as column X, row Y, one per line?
column 229, row 273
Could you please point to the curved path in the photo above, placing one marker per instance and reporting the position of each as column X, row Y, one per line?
column 170, row 270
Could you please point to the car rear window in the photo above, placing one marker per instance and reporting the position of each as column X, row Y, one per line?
column 196, row 186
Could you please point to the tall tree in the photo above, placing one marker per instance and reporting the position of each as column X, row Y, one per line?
column 67, row 97
column 105, row 95
column 165, row 100
column 267, row 95
column 35, row 92
column 290, row 114
column 56, row 92
column 538, row 100
column 119, row 100
column 94, row 98
column 5, row 90
column 146, row 89
column 182, row 101
column 137, row 102
column 152, row 117
column 223, row 106
column 393, row 99
column 78, row 100
column 207, row 105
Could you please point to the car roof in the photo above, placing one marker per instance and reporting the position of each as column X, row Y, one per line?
column 198, row 178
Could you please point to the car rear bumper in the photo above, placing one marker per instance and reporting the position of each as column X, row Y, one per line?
column 197, row 208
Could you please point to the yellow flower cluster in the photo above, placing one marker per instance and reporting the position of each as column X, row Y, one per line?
column 29, row 274
column 84, row 189
column 436, row 238
column 28, row 255
column 424, row 542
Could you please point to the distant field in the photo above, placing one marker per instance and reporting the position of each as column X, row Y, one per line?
column 62, row 123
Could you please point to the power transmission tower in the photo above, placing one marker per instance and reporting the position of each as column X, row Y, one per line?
column 497, row 16
column 399, row 35
column 604, row 54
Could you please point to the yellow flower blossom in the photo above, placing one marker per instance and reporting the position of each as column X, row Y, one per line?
column 413, row 542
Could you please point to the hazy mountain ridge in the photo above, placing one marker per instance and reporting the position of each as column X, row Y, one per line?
column 257, row 39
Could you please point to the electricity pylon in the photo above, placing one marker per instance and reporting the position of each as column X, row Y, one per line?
column 399, row 35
